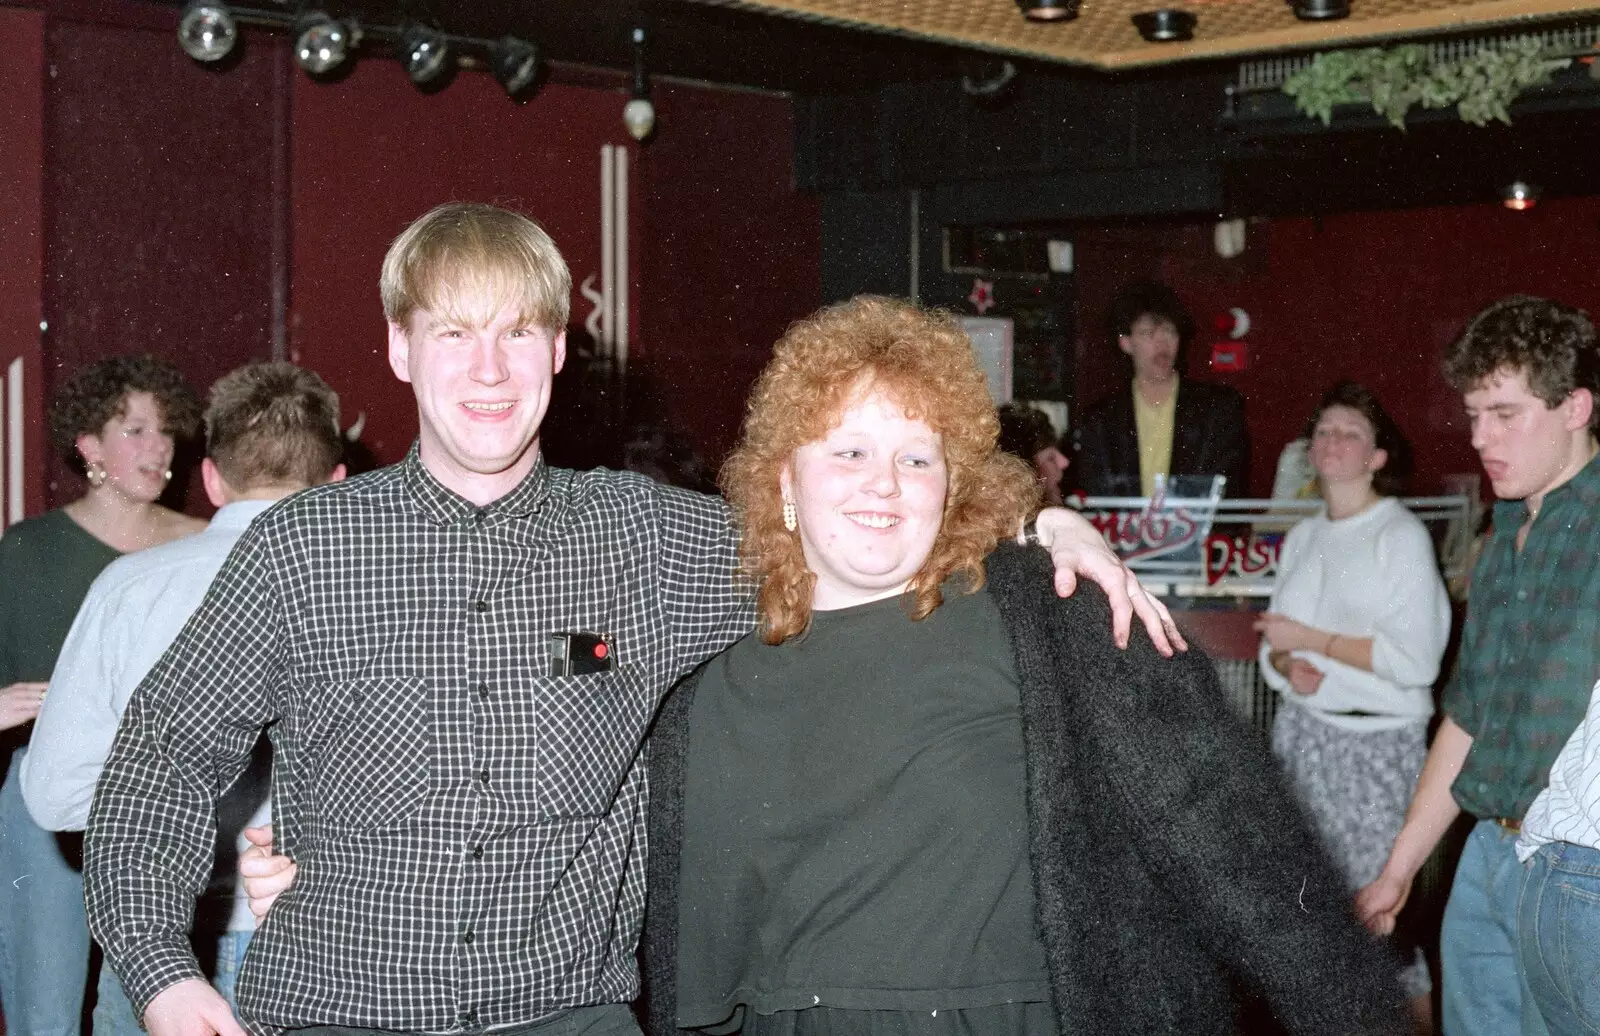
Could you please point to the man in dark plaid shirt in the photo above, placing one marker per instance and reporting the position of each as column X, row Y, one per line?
column 1530, row 652
column 468, row 823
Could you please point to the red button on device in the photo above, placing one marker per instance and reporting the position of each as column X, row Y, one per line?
column 600, row 650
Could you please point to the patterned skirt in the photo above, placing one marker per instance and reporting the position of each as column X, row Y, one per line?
column 1355, row 787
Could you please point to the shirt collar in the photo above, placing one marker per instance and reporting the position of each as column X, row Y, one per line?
column 1584, row 487
column 239, row 514
column 444, row 506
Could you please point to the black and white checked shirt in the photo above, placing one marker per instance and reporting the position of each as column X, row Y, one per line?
column 469, row 829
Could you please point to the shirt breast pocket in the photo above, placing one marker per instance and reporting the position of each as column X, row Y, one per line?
column 590, row 729
column 374, row 763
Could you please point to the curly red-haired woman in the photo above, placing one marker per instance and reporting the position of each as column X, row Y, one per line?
column 931, row 797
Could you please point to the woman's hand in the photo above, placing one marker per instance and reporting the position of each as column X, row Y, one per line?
column 1078, row 549
column 20, row 703
column 1284, row 634
column 1304, row 678
column 265, row 876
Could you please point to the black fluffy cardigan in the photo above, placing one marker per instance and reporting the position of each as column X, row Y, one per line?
column 1175, row 881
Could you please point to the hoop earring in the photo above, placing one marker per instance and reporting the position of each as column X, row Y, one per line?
column 791, row 519
column 96, row 474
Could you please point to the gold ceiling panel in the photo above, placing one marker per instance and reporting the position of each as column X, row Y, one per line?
column 1103, row 36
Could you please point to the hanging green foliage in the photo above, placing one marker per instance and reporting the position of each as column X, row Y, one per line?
column 1393, row 79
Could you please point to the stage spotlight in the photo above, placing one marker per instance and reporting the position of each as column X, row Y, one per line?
column 206, row 31
column 422, row 51
column 321, row 43
column 515, row 63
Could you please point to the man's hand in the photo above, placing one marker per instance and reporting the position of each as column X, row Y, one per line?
column 1078, row 549
column 190, row 1008
column 20, row 703
column 265, row 876
column 1304, row 678
column 1380, row 902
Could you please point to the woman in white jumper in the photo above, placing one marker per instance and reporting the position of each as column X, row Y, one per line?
column 1352, row 641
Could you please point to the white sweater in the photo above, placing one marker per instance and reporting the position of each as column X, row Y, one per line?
column 1371, row 575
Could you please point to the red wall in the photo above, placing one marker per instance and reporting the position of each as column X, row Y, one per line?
column 22, row 227
column 159, row 199
column 1373, row 296
column 724, row 252
column 732, row 254
column 208, row 214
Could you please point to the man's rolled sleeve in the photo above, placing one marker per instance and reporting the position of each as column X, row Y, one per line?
column 1460, row 698
column 186, row 735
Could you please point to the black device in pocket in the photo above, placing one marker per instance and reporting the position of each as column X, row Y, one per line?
column 574, row 654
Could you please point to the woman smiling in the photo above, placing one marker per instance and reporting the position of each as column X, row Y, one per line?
column 929, row 796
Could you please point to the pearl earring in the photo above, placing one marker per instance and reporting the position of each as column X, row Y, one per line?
column 97, row 474
column 791, row 519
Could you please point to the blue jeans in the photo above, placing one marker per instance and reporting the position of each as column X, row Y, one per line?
column 113, row 1012
column 1559, row 925
column 44, row 938
column 230, row 956
column 1484, row 992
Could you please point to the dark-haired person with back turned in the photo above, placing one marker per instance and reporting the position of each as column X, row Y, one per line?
column 115, row 421
column 272, row 429
column 1164, row 423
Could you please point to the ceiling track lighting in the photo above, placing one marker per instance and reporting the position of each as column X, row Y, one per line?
column 515, row 64
column 1165, row 25
column 322, row 42
column 1049, row 10
column 423, row 51
column 639, row 114
column 207, row 31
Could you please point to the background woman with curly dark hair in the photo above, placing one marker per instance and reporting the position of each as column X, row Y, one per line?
column 116, row 421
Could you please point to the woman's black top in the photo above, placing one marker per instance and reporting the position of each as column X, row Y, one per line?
column 855, row 830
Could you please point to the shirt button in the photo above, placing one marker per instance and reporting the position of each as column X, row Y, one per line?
column 467, row 937
column 477, row 852
column 483, row 776
column 1522, row 595
column 481, row 690
column 480, row 606
column 469, row 1017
